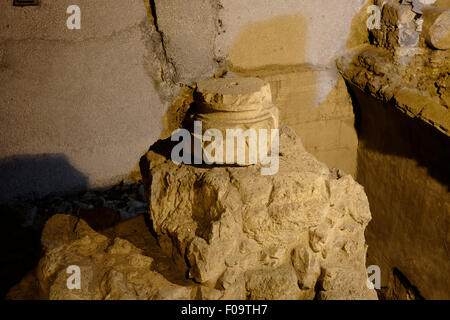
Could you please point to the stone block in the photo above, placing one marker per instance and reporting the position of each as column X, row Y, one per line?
column 436, row 27
column 243, row 105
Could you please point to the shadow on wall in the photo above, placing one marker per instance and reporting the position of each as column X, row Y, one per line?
column 386, row 130
column 30, row 177
column 403, row 164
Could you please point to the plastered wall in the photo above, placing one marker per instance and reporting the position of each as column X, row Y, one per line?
column 79, row 107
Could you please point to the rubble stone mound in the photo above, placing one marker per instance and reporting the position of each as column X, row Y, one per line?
column 221, row 233
column 298, row 234
column 110, row 268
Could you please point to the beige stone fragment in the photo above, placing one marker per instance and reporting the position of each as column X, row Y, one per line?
column 111, row 270
column 235, row 104
column 436, row 27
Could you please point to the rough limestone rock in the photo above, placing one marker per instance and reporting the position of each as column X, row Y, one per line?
column 437, row 27
column 419, row 86
column 399, row 28
column 236, row 234
column 298, row 234
column 110, row 268
column 411, row 26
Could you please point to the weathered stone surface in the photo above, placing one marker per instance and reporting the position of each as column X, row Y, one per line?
column 436, row 27
column 239, row 235
column 233, row 94
column 412, row 24
column 399, row 27
column 125, row 262
column 263, row 237
column 418, row 86
column 110, row 268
